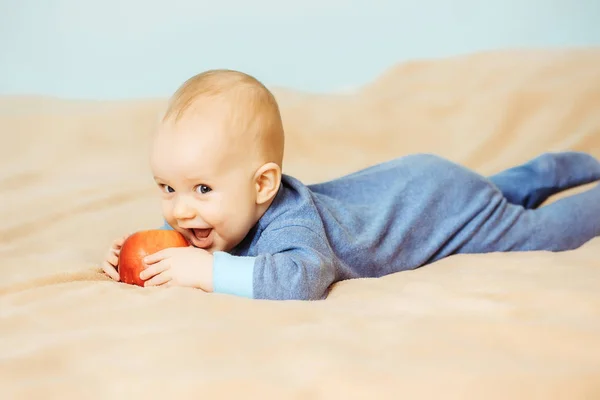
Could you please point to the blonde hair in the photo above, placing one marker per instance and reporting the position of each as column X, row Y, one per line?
column 252, row 108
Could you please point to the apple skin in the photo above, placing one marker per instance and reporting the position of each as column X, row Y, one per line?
column 139, row 245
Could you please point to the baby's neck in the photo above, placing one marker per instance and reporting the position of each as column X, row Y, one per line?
column 261, row 209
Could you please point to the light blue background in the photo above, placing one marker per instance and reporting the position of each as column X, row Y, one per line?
column 136, row 48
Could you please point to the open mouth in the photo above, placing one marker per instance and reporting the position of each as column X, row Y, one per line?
column 201, row 238
column 201, row 234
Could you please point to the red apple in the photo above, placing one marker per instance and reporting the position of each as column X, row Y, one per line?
column 139, row 245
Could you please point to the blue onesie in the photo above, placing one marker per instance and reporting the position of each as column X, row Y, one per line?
column 404, row 214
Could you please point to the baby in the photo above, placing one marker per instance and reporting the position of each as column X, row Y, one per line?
column 217, row 160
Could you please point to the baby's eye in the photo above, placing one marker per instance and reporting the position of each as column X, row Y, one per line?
column 203, row 189
column 166, row 188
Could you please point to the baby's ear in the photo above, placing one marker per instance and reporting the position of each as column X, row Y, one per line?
column 267, row 181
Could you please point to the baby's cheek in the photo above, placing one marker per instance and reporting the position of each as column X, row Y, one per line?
column 217, row 217
column 167, row 210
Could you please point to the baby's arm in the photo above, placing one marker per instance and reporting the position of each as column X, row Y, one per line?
column 293, row 263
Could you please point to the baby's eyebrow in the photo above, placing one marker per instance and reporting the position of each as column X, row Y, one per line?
column 197, row 178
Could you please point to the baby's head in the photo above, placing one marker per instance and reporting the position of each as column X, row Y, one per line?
column 217, row 157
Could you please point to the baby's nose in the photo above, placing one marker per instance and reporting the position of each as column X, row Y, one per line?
column 182, row 210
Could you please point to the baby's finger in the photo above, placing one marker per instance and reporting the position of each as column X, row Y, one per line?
column 156, row 257
column 153, row 270
column 159, row 279
column 112, row 258
column 118, row 243
column 110, row 271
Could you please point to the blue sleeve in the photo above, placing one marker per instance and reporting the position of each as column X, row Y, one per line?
column 166, row 227
column 233, row 275
column 293, row 263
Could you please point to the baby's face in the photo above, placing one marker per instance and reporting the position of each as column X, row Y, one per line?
column 205, row 182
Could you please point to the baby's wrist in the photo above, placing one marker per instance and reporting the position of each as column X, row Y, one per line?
column 206, row 274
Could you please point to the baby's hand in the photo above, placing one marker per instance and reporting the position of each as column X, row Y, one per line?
column 111, row 263
column 179, row 266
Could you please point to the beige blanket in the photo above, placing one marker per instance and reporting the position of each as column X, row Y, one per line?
column 74, row 175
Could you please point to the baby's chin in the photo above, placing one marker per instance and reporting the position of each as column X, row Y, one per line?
column 210, row 249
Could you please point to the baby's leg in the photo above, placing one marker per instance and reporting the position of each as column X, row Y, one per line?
column 563, row 225
column 532, row 183
column 445, row 209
